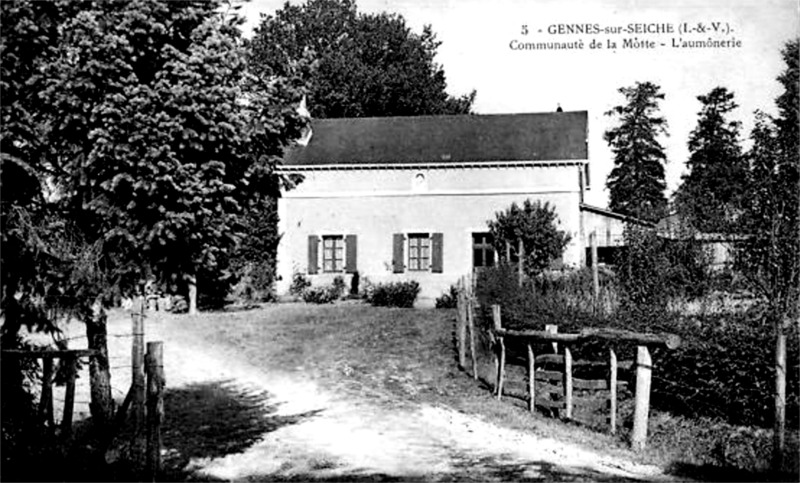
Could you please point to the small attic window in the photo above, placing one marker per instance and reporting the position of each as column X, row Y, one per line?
column 445, row 157
column 420, row 182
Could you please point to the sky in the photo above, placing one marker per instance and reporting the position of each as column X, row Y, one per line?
column 477, row 52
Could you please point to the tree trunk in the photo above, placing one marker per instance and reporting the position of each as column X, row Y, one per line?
column 192, row 281
column 779, row 429
column 102, row 404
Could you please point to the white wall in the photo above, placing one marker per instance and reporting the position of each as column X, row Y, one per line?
column 375, row 204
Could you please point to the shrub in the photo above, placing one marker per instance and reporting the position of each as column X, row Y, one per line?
column 299, row 284
column 320, row 295
column 449, row 299
column 339, row 287
column 536, row 225
column 397, row 294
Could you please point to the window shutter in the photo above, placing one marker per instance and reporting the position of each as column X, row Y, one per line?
column 397, row 253
column 437, row 242
column 350, row 246
column 313, row 249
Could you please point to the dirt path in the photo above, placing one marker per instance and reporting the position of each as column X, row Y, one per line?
column 231, row 420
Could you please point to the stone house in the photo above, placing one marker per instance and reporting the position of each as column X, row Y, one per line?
column 403, row 198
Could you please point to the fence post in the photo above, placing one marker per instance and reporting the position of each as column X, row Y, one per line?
column 531, row 379
column 461, row 325
column 138, row 381
column 46, row 398
column 567, row 382
column 69, row 396
column 500, row 359
column 155, row 407
column 520, row 262
column 471, row 326
column 612, row 385
column 595, row 268
column 644, row 367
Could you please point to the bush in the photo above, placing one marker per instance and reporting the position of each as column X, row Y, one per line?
column 320, row 295
column 299, row 284
column 448, row 300
column 397, row 294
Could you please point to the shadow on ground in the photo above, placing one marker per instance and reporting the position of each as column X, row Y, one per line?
column 215, row 419
column 466, row 469
column 719, row 473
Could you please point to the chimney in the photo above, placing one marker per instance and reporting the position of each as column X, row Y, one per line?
column 302, row 110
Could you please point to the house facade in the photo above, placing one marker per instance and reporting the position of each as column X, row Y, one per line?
column 409, row 198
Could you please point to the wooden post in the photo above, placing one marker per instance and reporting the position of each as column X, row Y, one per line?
column 644, row 366
column 46, row 398
column 779, row 428
column 531, row 379
column 191, row 280
column 508, row 252
column 155, row 407
column 500, row 352
column 595, row 268
column 612, row 386
column 461, row 325
column 69, row 397
column 471, row 326
column 520, row 261
column 138, row 380
column 553, row 329
column 567, row 382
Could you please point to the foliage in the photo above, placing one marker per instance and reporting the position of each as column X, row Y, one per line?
column 299, row 284
column 394, row 294
column 652, row 270
column 770, row 253
column 364, row 64
column 449, row 299
column 561, row 298
column 253, row 261
column 636, row 183
column 320, row 295
column 536, row 224
column 150, row 131
column 711, row 193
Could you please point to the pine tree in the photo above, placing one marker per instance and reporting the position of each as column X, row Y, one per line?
column 709, row 199
column 636, row 183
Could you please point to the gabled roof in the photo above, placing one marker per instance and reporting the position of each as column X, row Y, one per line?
column 552, row 136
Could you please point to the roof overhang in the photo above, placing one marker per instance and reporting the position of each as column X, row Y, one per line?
column 292, row 168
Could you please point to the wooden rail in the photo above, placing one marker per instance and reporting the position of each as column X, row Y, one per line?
column 70, row 361
column 568, row 383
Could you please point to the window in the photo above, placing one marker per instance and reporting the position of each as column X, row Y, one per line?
column 332, row 253
column 419, row 252
column 482, row 250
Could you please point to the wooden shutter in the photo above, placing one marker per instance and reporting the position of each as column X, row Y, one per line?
column 397, row 252
column 350, row 246
column 313, row 249
column 437, row 242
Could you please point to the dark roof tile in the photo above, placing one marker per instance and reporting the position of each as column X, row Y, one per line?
column 441, row 139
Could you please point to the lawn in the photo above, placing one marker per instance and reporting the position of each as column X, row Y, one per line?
column 397, row 357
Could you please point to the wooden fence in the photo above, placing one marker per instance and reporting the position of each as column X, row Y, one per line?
column 144, row 402
column 561, row 398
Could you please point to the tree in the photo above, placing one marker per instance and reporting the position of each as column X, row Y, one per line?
column 155, row 139
column 770, row 254
column 365, row 64
column 536, row 226
column 710, row 196
column 636, row 183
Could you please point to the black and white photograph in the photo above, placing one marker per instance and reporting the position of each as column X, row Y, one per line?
column 414, row 240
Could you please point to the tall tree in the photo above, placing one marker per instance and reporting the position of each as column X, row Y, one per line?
column 365, row 64
column 770, row 255
column 710, row 196
column 636, row 183
column 155, row 139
